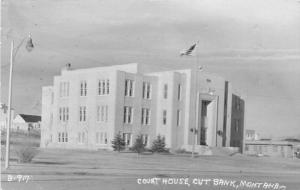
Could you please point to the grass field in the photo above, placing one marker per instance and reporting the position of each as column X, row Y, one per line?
column 80, row 169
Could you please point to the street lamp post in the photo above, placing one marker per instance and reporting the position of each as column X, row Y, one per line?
column 29, row 47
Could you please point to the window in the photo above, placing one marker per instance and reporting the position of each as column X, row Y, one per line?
column 81, row 137
column 102, row 113
column 62, row 137
column 128, row 114
column 103, row 87
column 146, row 90
column 165, row 91
column 178, row 117
column 82, row 113
column 97, row 138
column 179, row 91
column 105, row 138
column 101, row 138
column 106, row 113
column 237, row 104
column 64, row 89
column 146, row 116
column 129, row 87
column 64, row 114
column 83, row 88
column 107, row 86
column 236, row 125
column 145, row 140
column 164, row 117
column 127, row 138
column 52, row 97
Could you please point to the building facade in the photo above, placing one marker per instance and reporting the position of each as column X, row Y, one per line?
column 86, row 108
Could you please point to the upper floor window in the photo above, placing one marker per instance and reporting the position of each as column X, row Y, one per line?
column 82, row 113
column 146, row 90
column 64, row 89
column 129, row 87
column 103, row 87
column 128, row 114
column 83, row 88
column 179, row 92
column 102, row 113
column 64, row 114
column 165, row 91
column 164, row 117
column 146, row 116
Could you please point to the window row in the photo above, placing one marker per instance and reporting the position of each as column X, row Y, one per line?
column 101, row 138
column 104, row 89
column 102, row 113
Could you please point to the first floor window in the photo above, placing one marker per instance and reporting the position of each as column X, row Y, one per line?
column 127, row 138
column 81, row 137
column 145, row 140
column 62, row 137
column 101, row 138
column 59, row 140
column 164, row 117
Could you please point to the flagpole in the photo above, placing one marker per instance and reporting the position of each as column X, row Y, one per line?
column 195, row 131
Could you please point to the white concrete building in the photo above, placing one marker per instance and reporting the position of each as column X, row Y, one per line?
column 86, row 108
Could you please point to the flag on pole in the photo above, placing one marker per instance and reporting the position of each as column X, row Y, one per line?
column 189, row 51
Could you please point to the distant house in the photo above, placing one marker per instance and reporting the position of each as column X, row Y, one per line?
column 26, row 122
column 283, row 149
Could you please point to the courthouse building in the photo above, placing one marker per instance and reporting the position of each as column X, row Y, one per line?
column 86, row 108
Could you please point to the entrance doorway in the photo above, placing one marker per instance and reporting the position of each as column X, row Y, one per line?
column 207, row 122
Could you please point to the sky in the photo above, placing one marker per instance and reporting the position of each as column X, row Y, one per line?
column 255, row 44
